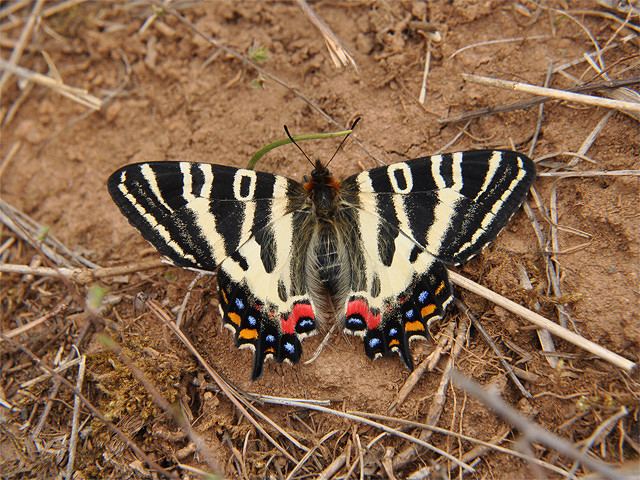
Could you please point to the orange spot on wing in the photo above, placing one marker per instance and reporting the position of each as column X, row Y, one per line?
column 235, row 318
column 270, row 350
column 224, row 296
column 415, row 326
column 427, row 310
column 394, row 342
column 248, row 334
column 440, row 288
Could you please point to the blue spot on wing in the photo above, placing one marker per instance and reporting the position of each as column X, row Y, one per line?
column 239, row 303
column 374, row 342
column 423, row 296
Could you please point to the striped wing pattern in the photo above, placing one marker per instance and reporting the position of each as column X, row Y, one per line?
column 397, row 227
column 415, row 216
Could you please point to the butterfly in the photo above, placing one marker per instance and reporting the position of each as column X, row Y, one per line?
column 368, row 251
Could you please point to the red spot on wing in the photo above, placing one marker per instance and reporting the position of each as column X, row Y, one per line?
column 360, row 307
column 373, row 320
column 300, row 310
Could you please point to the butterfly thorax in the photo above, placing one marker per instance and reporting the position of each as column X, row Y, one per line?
column 323, row 190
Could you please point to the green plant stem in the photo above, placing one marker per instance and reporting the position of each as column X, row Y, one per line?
column 298, row 138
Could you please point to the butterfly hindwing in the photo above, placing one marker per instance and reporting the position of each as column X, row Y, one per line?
column 404, row 291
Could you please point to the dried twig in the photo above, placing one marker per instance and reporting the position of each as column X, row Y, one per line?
column 78, row 95
column 185, row 300
column 439, row 398
column 57, row 382
column 16, row 54
column 531, row 431
column 82, row 276
column 31, row 232
column 380, row 426
column 45, row 376
column 75, row 422
column 337, row 51
column 498, row 41
column 61, row 307
column 333, row 468
column 309, row 454
column 603, row 429
column 8, row 157
column 173, row 411
column 546, row 340
column 542, row 322
column 523, row 104
column 487, row 338
column 488, row 444
column 231, row 392
column 591, row 173
column 425, row 73
column 553, row 93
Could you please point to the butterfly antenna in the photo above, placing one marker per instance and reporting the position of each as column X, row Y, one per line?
column 343, row 140
column 299, row 147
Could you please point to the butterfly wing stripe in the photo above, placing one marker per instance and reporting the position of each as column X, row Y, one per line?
column 150, row 176
column 147, row 223
column 456, row 171
column 443, row 211
column 280, row 214
column 495, row 211
column 207, row 185
column 187, row 172
column 369, row 223
column 491, row 169
column 436, row 163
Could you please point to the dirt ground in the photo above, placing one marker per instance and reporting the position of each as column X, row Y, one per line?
column 170, row 94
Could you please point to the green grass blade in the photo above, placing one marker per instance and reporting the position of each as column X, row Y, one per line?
column 298, row 138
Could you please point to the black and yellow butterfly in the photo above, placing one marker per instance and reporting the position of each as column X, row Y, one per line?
column 368, row 251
